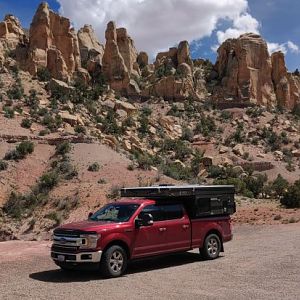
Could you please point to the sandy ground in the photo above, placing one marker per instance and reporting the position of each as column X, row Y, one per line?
column 262, row 262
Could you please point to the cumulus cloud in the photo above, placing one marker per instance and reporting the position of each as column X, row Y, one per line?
column 284, row 47
column 156, row 25
column 243, row 23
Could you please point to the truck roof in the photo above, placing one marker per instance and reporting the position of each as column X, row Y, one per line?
column 177, row 190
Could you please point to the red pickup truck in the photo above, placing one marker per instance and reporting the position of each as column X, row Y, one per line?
column 169, row 219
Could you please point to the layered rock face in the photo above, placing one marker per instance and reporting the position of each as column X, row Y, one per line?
column 52, row 44
column 91, row 51
column 244, row 68
column 286, row 85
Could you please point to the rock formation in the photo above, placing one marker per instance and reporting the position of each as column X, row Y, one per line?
column 91, row 51
column 52, row 44
column 287, row 86
column 11, row 32
column 244, row 68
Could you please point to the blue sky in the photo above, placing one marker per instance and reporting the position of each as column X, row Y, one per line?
column 278, row 22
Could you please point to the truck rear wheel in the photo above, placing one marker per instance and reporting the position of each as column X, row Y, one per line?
column 114, row 261
column 211, row 247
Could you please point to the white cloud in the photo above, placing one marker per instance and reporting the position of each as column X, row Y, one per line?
column 284, row 47
column 157, row 25
column 241, row 24
column 293, row 47
column 274, row 47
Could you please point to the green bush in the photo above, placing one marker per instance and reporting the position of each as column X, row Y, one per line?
column 206, row 125
column 177, row 171
column 181, row 149
column 8, row 112
column 80, row 129
column 26, row 123
column 3, row 165
column 187, row 134
column 291, row 198
column 279, row 186
column 52, row 123
column 48, row 181
column 43, row 74
column 16, row 92
column 145, row 161
column 21, row 151
column 94, row 167
column 109, row 124
column 63, row 148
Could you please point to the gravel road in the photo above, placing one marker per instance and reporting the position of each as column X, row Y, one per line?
column 262, row 262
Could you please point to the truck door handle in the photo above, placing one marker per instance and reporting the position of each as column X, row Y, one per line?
column 161, row 229
column 185, row 226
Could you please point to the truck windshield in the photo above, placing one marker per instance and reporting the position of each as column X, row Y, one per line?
column 115, row 213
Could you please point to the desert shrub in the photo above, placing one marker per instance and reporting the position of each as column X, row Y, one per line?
column 144, row 161
column 174, row 111
column 26, row 123
column 181, row 149
column 206, row 125
column 16, row 92
column 21, row 151
column 3, row 165
column 215, row 171
column 195, row 162
column 32, row 100
column 128, row 122
column 271, row 139
column 114, row 192
column 109, row 124
column 54, row 216
column 43, row 74
column 254, row 112
column 48, row 181
column 80, row 129
column 94, row 167
column 8, row 112
column 291, row 198
column 63, row 148
column 176, row 171
column 143, row 129
column 187, row 134
column 255, row 184
column 52, row 123
column 44, row 132
column 279, row 185
column 226, row 115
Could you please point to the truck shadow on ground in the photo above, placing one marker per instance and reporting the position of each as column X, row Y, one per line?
column 146, row 265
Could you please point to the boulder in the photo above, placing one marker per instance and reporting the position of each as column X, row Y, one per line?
column 70, row 119
column 143, row 59
column 126, row 106
column 183, row 54
column 238, row 150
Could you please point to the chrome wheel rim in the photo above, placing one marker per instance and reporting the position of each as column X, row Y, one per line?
column 212, row 246
column 116, row 261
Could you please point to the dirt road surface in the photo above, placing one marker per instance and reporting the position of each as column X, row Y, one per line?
column 262, row 262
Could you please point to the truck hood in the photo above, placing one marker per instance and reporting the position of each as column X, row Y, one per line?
column 89, row 225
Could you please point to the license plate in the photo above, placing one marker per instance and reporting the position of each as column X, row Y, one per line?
column 60, row 257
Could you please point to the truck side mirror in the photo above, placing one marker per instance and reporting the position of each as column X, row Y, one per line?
column 144, row 220
column 90, row 214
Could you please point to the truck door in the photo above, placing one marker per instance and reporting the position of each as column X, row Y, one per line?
column 178, row 227
column 151, row 240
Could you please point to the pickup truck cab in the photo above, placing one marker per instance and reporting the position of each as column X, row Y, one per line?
column 134, row 228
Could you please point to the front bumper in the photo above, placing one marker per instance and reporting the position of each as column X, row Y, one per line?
column 83, row 257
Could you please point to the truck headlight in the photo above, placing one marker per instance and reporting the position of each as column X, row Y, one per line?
column 89, row 241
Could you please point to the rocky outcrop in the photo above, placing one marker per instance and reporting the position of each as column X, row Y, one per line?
column 120, row 60
column 53, row 44
column 91, row 51
column 286, row 85
column 244, row 70
column 11, row 32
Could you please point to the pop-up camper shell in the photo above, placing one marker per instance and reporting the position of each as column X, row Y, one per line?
column 199, row 200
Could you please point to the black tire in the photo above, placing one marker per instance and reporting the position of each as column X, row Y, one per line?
column 113, row 262
column 211, row 247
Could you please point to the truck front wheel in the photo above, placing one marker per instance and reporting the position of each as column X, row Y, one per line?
column 114, row 261
column 211, row 247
